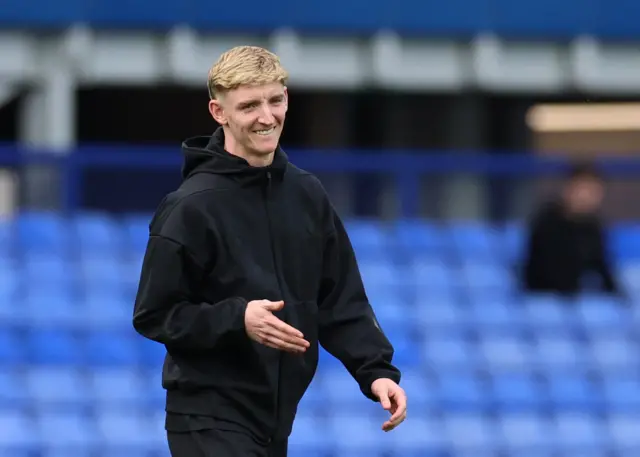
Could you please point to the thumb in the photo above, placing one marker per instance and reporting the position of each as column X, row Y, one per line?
column 273, row 305
column 383, row 396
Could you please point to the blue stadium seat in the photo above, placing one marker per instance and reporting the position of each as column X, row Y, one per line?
column 106, row 312
column 53, row 347
column 111, row 348
column 12, row 351
column 305, row 439
column 621, row 393
column 13, row 392
column 341, row 391
column 577, row 433
column 368, row 238
column 354, row 434
column 549, row 313
column 520, row 433
column 73, row 432
column 42, row 232
column 470, row 432
column 448, row 351
column 504, row 352
column 314, row 400
column 486, row 278
column 58, row 388
column 96, row 233
column 474, row 240
column 623, row 428
column 603, row 314
column 516, row 392
column 9, row 284
column 418, row 237
column 494, row 314
column 6, row 237
column 130, row 432
column 52, row 308
column 624, row 241
column 150, row 353
column 614, row 353
column 458, row 392
column 17, row 431
column 570, row 392
column 433, row 277
column 512, row 241
column 117, row 388
column 154, row 395
column 437, row 315
column 558, row 353
column 102, row 275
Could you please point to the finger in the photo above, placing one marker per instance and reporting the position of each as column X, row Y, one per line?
column 284, row 327
column 390, row 425
column 276, row 333
column 400, row 403
column 283, row 345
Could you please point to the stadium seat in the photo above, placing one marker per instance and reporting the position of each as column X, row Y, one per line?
column 305, row 439
column 473, row 240
column 549, row 313
column 117, row 387
column 458, row 392
column 623, row 429
column 418, row 237
column 357, row 434
column 58, row 388
column 17, row 431
column 621, row 393
column 516, row 392
column 575, row 433
column 445, row 351
column 96, row 234
column 136, row 232
column 111, row 348
column 524, row 432
column 505, row 352
column 53, row 347
column 469, row 433
column 422, row 435
column 42, row 232
column 571, row 392
column 129, row 432
column 72, row 432
column 560, row 353
column 12, row 351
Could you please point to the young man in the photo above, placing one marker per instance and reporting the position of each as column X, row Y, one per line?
column 248, row 268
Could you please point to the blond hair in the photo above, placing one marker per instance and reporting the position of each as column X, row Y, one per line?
column 244, row 65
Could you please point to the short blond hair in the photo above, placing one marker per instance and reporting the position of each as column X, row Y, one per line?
column 244, row 65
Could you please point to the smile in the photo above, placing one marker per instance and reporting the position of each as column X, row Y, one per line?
column 265, row 132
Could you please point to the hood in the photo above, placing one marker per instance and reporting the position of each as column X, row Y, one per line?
column 206, row 154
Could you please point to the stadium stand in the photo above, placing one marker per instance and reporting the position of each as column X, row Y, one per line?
column 488, row 371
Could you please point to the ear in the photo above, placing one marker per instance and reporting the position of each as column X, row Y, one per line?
column 217, row 112
column 286, row 99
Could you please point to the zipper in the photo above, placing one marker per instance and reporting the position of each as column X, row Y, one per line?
column 275, row 267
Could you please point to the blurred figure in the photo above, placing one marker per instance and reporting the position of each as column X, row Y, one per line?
column 567, row 240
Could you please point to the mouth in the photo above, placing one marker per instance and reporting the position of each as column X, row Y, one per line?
column 265, row 132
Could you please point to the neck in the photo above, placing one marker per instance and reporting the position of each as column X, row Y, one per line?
column 255, row 160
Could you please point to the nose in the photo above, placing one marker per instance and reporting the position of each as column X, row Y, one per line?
column 266, row 116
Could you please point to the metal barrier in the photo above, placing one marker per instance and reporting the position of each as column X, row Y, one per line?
column 463, row 18
column 147, row 165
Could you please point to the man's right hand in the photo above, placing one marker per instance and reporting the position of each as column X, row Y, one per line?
column 265, row 328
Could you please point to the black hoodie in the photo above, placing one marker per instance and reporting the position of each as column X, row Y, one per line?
column 232, row 233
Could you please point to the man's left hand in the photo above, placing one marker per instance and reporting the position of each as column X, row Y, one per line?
column 392, row 398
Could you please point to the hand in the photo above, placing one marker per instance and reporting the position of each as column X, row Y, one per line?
column 392, row 398
column 265, row 328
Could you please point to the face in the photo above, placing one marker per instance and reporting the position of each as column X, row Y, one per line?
column 584, row 195
column 253, row 118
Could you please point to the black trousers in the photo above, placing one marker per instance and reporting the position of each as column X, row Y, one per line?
column 202, row 437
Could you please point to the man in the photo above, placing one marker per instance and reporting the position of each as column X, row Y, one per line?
column 248, row 268
column 567, row 240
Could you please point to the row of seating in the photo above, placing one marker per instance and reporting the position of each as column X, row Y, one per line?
column 345, row 433
column 43, row 232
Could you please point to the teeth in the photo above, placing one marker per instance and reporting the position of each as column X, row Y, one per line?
column 265, row 132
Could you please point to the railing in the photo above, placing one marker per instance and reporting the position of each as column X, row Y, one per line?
column 539, row 18
column 146, row 167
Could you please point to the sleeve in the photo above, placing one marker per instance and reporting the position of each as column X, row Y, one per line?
column 349, row 329
column 167, row 308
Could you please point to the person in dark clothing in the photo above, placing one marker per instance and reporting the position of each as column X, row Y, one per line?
column 248, row 268
column 567, row 240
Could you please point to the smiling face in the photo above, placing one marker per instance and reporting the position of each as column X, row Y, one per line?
column 253, row 118
column 247, row 87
